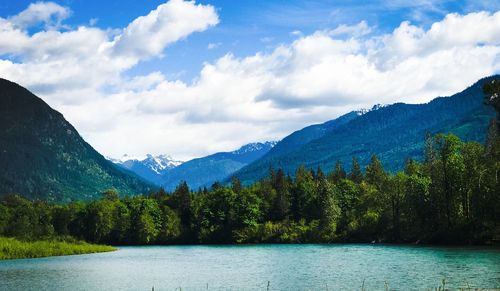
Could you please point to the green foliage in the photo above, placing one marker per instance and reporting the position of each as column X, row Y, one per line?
column 356, row 175
column 11, row 248
column 451, row 197
column 491, row 91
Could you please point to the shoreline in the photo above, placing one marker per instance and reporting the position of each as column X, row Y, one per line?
column 13, row 248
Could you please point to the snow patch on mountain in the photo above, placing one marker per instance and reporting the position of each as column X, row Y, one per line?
column 254, row 147
column 160, row 163
column 157, row 164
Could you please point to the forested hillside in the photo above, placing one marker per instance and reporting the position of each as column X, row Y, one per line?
column 395, row 133
column 42, row 156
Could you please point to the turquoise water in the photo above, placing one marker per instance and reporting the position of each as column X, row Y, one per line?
column 251, row 267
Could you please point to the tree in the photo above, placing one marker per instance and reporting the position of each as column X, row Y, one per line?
column 375, row 173
column 396, row 193
column 121, row 223
column 217, row 216
column 145, row 216
column 356, row 175
column 485, row 208
column 420, row 213
column 110, row 194
column 170, row 229
column 23, row 219
column 346, row 195
column 98, row 220
column 304, row 195
column 445, row 166
column 412, row 167
column 61, row 219
column 247, row 209
column 491, row 91
column 4, row 218
column 338, row 173
column 281, row 204
column 236, row 184
column 329, row 210
column 181, row 200
column 474, row 172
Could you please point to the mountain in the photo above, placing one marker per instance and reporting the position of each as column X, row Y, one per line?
column 312, row 132
column 152, row 168
column 393, row 132
column 42, row 156
column 217, row 167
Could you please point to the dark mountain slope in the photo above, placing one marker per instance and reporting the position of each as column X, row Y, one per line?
column 395, row 133
column 217, row 167
column 42, row 156
column 309, row 133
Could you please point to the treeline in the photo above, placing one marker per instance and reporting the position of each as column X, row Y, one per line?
column 453, row 196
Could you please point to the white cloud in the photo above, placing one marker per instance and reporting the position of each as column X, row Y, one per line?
column 317, row 77
column 148, row 35
column 48, row 13
column 58, row 64
column 237, row 100
column 357, row 30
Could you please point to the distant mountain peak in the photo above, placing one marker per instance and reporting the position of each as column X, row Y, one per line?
column 160, row 162
column 122, row 159
column 151, row 167
column 254, row 147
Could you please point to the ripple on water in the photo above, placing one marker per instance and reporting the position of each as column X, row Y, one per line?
column 251, row 267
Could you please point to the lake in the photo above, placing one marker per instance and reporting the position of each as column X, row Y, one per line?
column 253, row 267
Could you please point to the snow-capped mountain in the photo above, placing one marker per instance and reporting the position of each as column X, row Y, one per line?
column 151, row 168
column 160, row 163
column 220, row 166
column 255, row 147
column 165, row 171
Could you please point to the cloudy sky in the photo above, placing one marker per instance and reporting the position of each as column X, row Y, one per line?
column 189, row 78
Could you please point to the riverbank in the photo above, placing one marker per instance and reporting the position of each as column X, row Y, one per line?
column 11, row 248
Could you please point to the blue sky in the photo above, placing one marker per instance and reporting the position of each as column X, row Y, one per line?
column 248, row 27
column 239, row 71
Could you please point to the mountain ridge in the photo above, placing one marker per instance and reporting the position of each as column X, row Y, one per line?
column 401, row 132
column 151, row 168
column 204, row 171
column 44, row 157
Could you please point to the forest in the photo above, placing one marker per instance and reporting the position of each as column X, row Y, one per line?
column 452, row 196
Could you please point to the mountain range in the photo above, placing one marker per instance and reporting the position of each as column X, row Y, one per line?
column 200, row 172
column 152, row 168
column 42, row 156
column 394, row 132
column 205, row 171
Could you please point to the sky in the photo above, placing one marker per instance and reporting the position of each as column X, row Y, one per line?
column 187, row 78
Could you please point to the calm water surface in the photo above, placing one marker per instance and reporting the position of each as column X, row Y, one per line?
column 286, row 267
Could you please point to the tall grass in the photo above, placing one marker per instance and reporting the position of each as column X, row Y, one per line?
column 11, row 248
